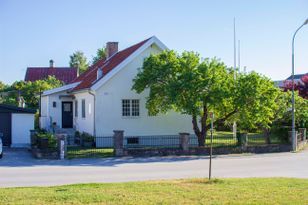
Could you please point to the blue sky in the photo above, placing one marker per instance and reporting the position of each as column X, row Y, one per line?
column 34, row 31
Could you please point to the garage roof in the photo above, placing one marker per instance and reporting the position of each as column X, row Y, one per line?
column 14, row 109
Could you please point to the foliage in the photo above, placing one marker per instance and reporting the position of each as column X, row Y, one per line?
column 256, row 101
column 301, row 87
column 52, row 141
column 79, row 60
column 284, row 111
column 268, row 191
column 87, row 137
column 190, row 86
column 2, row 86
column 77, row 134
column 100, row 54
column 30, row 91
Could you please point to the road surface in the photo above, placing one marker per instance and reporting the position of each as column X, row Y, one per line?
column 18, row 168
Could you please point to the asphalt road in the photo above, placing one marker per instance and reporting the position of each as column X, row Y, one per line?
column 18, row 168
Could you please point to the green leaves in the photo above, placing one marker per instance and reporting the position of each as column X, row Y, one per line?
column 190, row 86
column 79, row 60
column 30, row 90
column 100, row 54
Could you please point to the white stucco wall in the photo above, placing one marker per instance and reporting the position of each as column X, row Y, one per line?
column 84, row 124
column 53, row 114
column 109, row 107
column 21, row 125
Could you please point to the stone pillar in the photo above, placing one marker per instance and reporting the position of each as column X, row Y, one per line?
column 244, row 140
column 33, row 137
column 62, row 145
column 303, row 132
column 293, row 142
column 184, row 141
column 118, row 143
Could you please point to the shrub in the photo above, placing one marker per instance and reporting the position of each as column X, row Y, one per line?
column 281, row 132
column 77, row 134
column 52, row 142
column 87, row 137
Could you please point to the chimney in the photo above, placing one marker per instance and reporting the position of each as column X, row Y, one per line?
column 51, row 63
column 111, row 49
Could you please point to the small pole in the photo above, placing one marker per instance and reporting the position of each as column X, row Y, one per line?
column 211, row 146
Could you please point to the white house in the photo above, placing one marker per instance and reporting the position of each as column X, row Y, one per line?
column 101, row 100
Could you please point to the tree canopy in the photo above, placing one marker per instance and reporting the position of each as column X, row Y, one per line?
column 79, row 60
column 301, row 87
column 184, row 83
column 29, row 91
column 100, row 54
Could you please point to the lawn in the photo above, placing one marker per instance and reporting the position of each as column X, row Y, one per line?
column 223, row 139
column 190, row 191
column 84, row 152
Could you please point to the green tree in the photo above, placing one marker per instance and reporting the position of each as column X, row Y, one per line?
column 187, row 85
column 2, row 86
column 79, row 60
column 29, row 91
column 100, row 54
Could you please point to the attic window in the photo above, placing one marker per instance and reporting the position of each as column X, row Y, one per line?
column 54, row 104
column 99, row 73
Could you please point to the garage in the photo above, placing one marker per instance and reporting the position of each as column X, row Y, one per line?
column 15, row 125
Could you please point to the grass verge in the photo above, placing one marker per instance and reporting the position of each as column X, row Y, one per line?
column 84, row 152
column 189, row 191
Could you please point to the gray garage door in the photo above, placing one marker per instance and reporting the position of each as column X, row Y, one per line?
column 5, row 128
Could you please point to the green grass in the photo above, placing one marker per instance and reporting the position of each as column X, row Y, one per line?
column 85, row 152
column 191, row 191
column 221, row 139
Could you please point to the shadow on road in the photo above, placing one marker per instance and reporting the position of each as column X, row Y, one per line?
column 23, row 158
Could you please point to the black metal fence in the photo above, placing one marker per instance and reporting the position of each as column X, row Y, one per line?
column 78, row 147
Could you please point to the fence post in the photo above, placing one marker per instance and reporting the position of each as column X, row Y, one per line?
column 303, row 132
column 62, row 145
column 118, row 143
column 33, row 139
column 184, row 141
column 294, row 142
column 244, row 140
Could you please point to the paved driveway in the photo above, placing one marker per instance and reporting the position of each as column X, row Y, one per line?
column 18, row 168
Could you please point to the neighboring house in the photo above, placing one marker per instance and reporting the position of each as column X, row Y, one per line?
column 297, row 78
column 15, row 125
column 64, row 74
column 100, row 100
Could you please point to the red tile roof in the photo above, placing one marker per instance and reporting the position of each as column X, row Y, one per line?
column 66, row 75
column 88, row 78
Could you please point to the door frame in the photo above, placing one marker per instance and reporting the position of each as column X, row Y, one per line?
column 62, row 111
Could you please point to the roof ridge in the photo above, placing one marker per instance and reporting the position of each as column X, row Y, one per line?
column 87, row 79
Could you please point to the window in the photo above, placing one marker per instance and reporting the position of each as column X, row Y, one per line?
column 76, row 108
column 125, row 107
column 135, row 107
column 130, row 108
column 54, row 104
column 133, row 140
column 83, row 108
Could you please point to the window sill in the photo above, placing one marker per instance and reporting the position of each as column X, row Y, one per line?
column 130, row 117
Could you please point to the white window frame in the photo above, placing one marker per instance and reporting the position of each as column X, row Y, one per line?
column 131, row 110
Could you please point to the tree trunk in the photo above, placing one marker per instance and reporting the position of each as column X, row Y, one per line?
column 201, row 135
column 266, row 133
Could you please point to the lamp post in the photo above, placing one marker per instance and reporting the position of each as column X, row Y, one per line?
column 294, row 143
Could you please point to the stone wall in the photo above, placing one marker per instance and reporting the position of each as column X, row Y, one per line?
column 206, row 150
